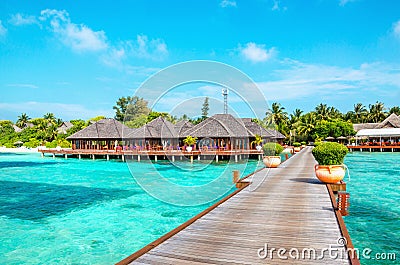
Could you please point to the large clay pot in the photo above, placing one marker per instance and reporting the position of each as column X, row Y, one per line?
column 189, row 148
column 330, row 174
column 272, row 161
column 259, row 147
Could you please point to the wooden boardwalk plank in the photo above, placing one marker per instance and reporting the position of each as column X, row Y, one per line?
column 288, row 209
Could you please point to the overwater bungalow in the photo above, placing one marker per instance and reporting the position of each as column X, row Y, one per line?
column 106, row 134
column 159, row 134
column 225, row 132
column 384, row 133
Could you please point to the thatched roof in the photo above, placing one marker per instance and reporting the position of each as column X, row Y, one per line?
column 103, row 129
column 157, row 128
column 16, row 128
column 66, row 125
column 274, row 134
column 393, row 121
column 219, row 125
column 255, row 128
column 182, row 126
column 362, row 126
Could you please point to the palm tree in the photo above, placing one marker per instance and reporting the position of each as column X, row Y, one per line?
column 395, row 110
column 322, row 111
column 295, row 116
column 50, row 118
column 307, row 124
column 376, row 112
column 276, row 115
column 334, row 113
column 22, row 120
column 359, row 113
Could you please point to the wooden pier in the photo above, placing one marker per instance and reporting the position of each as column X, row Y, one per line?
column 374, row 148
column 155, row 155
column 285, row 207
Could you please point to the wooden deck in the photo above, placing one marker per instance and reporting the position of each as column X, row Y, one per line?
column 288, row 209
column 374, row 148
column 153, row 154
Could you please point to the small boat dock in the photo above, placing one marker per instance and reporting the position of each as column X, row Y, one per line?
column 280, row 216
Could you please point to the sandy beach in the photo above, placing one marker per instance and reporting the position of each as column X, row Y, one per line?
column 18, row 150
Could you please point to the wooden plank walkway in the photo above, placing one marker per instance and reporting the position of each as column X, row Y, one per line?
column 289, row 209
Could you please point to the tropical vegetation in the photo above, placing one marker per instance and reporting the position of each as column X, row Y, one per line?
column 324, row 121
column 330, row 153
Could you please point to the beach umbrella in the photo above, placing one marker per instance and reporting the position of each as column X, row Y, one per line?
column 342, row 138
column 18, row 143
column 329, row 138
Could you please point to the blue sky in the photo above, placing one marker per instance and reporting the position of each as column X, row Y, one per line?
column 76, row 59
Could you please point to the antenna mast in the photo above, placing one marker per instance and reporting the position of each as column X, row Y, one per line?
column 225, row 94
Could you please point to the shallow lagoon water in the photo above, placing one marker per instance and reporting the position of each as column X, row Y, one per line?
column 374, row 220
column 74, row 211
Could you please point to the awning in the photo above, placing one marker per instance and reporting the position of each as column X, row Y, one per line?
column 389, row 132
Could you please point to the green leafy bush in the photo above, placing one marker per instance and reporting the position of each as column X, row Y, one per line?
column 330, row 153
column 272, row 149
column 296, row 144
column 303, row 143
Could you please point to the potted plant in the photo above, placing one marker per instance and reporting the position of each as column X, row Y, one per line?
column 296, row 146
column 258, row 140
column 189, row 141
column 330, row 156
column 303, row 144
column 271, row 154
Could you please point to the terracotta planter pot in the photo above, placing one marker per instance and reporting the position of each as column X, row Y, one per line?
column 272, row 161
column 330, row 174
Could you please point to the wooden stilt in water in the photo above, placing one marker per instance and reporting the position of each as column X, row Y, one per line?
column 93, row 157
column 173, row 158
column 138, row 158
column 123, row 158
column 54, row 155
column 155, row 158
column 216, row 158
column 191, row 159
column 79, row 156
column 108, row 157
column 66, row 156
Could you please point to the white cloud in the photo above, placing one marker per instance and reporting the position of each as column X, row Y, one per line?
column 79, row 38
column 299, row 80
column 20, row 19
column 396, row 29
column 22, row 85
column 3, row 30
column 227, row 3
column 277, row 6
column 155, row 49
column 257, row 53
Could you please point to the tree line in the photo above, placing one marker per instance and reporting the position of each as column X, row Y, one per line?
column 324, row 121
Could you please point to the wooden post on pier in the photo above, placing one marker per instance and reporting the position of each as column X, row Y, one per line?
column 79, row 156
column 108, row 157
column 138, row 158
column 191, row 159
column 216, row 158
column 54, row 155
column 93, row 157
column 66, row 156
column 155, row 158
column 123, row 158
column 173, row 158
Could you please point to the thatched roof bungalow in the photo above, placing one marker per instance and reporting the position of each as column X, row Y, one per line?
column 182, row 126
column 385, row 131
column 157, row 134
column 64, row 127
column 104, row 134
column 229, row 133
column 393, row 121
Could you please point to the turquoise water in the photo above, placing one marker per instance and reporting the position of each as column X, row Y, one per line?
column 72, row 211
column 374, row 220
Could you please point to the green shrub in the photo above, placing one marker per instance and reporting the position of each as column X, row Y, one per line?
column 296, row 144
column 330, row 153
column 303, row 143
column 272, row 149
